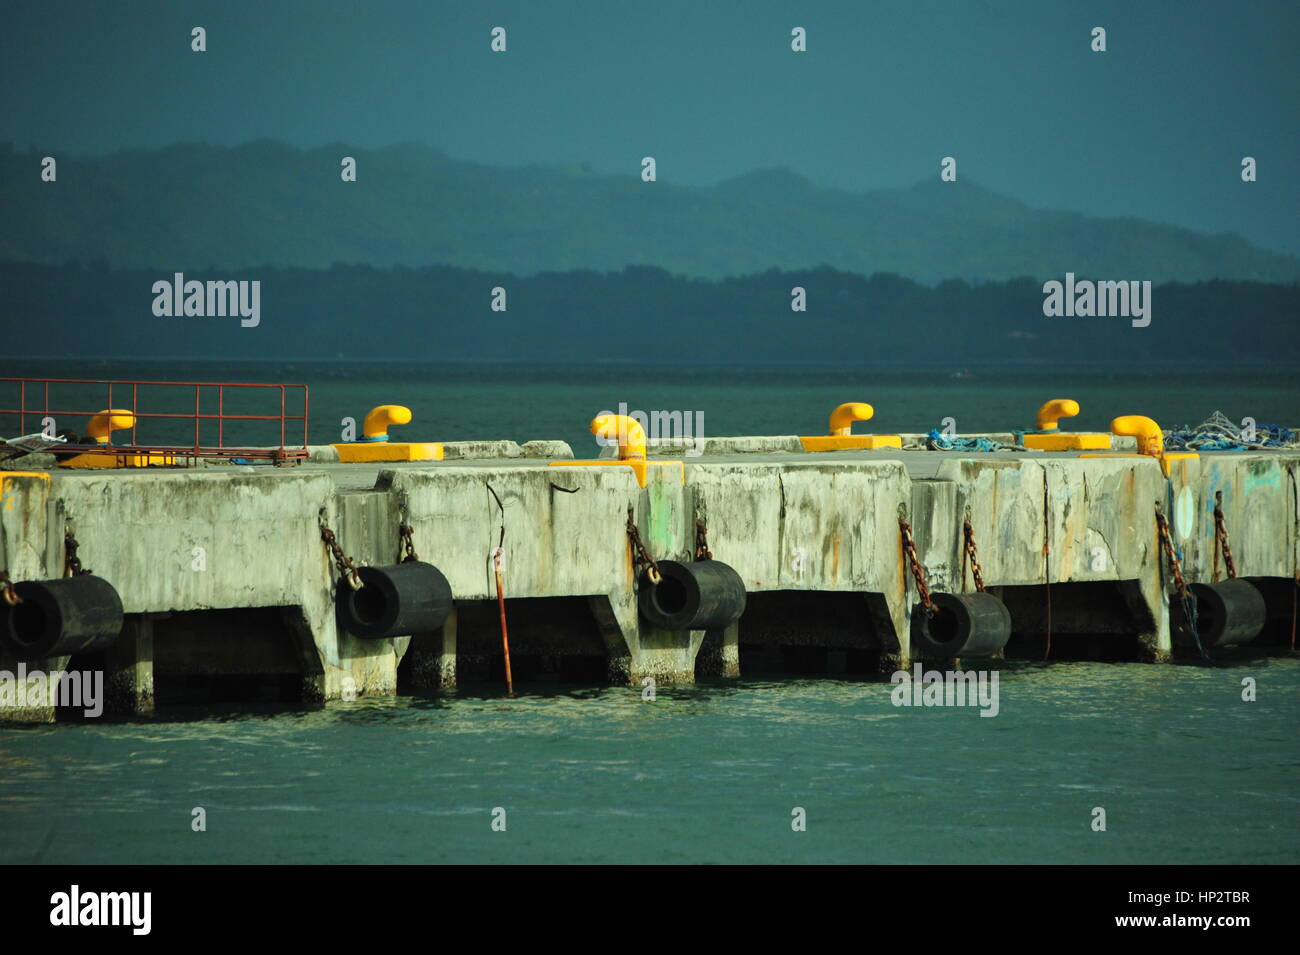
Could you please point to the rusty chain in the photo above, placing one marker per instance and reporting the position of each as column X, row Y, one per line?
column 1221, row 539
column 347, row 569
column 7, row 590
column 640, row 556
column 909, row 551
column 1175, row 567
column 702, row 551
column 1180, row 584
column 406, row 544
column 71, row 562
column 972, row 556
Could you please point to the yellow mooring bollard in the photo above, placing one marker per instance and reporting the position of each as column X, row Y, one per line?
column 1150, row 441
column 99, row 429
column 630, row 436
column 1050, row 437
column 375, row 446
column 841, row 436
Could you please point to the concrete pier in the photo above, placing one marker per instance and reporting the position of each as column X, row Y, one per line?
column 223, row 575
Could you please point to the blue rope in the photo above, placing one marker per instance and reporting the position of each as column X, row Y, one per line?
column 937, row 441
column 1218, row 433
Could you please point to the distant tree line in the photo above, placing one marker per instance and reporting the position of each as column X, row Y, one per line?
column 642, row 313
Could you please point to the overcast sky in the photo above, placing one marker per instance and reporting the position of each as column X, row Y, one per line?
column 1155, row 127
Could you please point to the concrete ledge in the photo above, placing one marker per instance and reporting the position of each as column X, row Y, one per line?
column 452, row 451
column 770, row 443
column 493, row 450
column 742, row 444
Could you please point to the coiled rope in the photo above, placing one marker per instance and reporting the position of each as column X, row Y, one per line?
column 936, row 440
column 1219, row 433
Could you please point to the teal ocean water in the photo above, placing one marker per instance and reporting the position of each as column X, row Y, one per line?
column 1185, row 770
column 456, row 402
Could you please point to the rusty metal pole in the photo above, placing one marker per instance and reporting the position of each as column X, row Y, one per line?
column 498, row 562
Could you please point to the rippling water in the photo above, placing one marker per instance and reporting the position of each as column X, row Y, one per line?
column 1186, row 771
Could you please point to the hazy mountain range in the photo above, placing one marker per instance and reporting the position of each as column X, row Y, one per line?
column 195, row 207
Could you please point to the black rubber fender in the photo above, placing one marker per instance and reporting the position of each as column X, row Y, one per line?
column 1228, row 613
column 61, row 617
column 395, row 601
column 964, row 625
column 705, row 595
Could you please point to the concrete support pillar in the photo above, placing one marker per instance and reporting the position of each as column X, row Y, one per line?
column 128, row 668
column 666, row 655
column 1149, row 608
column 24, row 689
column 431, row 657
column 719, row 653
column 615, row 616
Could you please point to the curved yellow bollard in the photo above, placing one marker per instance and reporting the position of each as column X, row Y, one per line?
column 373, row 445
column 624, row 429
column 102, row 425
column 1048, row 435
column 99, row 429
column 842, row 418
column 629, row 434
column 841, row 436
column 377, row 423
column 1050, row 414
column 1150, row 439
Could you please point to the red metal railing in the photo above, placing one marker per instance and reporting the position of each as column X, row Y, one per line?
column 34, row 402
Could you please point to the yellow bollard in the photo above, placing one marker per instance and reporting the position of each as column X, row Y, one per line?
column 100, row 429
column 1150, row 441
column 841, row 436
column 624, row 429
column 375, row 427
column 1150, row 438
column 629, row 434
column 1050, row 437
column 375, row 446
column 101, row 426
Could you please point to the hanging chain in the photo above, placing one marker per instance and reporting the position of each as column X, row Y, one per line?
column 640, row 556
column 1175, row 567
column 1221, row 539
column 1180, row 584
column 71, row 562
column 909, row 551
column 406, row 544
column 702, row 551
column 7, row 590
column 347, row 569
column 972, row 555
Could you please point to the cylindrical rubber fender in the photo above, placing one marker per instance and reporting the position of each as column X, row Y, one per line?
column 705, row 595
column 61, row 617
column 963, row 625
column 1227, row 613
column 394, row 601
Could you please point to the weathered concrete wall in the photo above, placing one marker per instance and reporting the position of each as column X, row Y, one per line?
column 233, row 537
column 198, row 540
column 1035, row 521
column 1260, row 510
column 813, row 524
